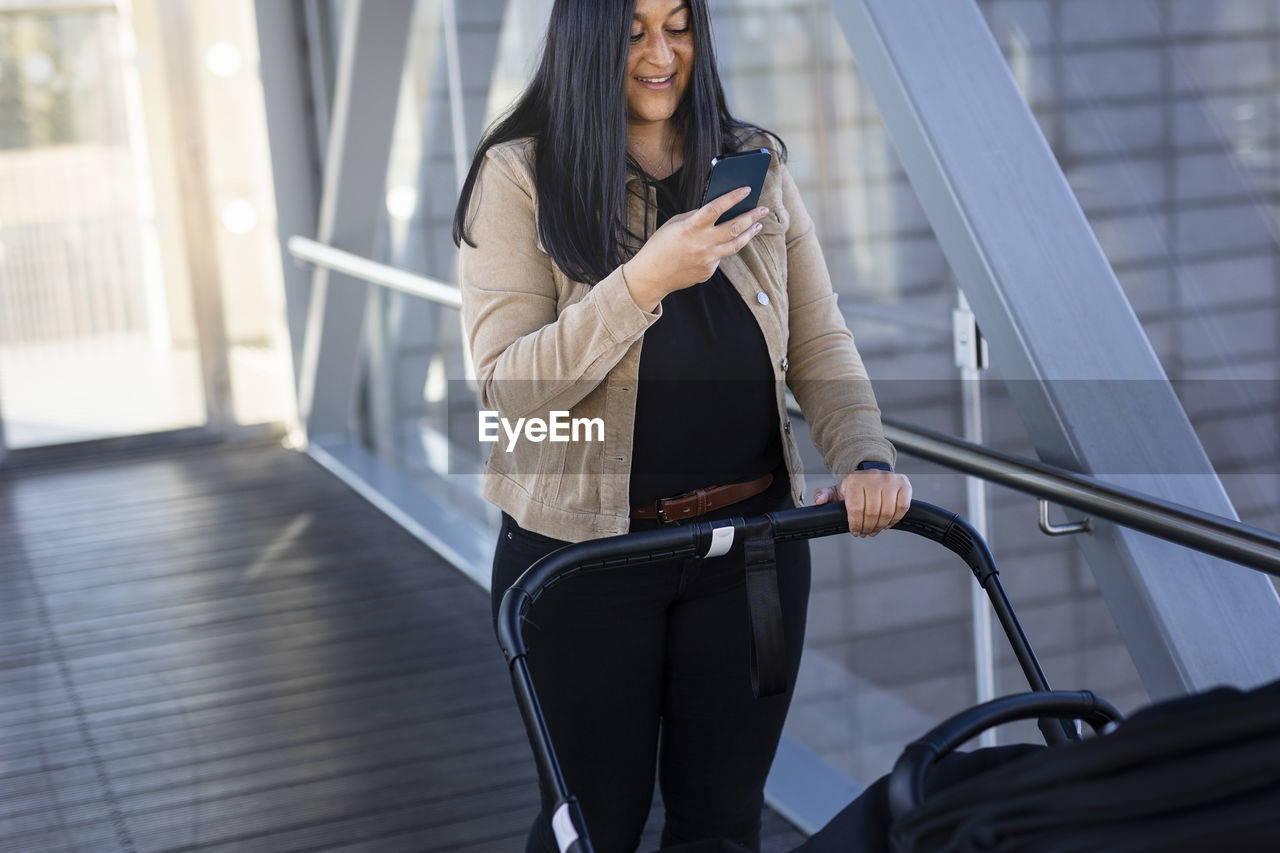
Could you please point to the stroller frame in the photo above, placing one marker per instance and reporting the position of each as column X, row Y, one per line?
column 707, row 539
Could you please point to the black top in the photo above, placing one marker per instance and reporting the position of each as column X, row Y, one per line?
column 706, row 409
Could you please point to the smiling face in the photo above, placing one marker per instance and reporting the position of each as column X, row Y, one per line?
column 659, row 63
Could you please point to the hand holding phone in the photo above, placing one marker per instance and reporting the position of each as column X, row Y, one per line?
column 739, row 169
column 689, row 247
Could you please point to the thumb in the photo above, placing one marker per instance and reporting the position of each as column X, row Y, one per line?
column 824, row 494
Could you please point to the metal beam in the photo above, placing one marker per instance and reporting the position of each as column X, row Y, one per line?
column 295, row 163
column 4, row 446
column 456, row 91
column 1077, row 364
column 370, row 66
column 199, row 225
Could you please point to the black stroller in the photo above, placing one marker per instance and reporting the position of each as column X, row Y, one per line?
column 1190, row 774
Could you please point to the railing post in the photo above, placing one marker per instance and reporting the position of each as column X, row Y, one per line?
column 971, row 358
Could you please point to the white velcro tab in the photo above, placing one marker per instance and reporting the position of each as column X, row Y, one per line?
column 721, row 541
column 562, row 826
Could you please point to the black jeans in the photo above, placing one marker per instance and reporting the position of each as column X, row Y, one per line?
column 616, row 656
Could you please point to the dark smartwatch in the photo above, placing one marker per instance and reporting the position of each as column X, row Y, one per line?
column 879, row 466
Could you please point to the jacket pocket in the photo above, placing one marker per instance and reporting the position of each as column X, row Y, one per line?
column 550, row 471
column 525, row 547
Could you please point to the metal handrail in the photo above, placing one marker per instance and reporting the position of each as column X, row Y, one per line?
column 374, row 272
column 1201, row 531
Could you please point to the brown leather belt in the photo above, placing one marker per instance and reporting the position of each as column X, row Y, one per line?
column 702, row 501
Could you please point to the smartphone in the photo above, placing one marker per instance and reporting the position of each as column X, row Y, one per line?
column 734, row 171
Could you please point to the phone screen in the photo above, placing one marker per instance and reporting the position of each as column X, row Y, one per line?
column 733, row 171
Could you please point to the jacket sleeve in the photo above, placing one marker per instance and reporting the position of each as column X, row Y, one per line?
column 826, row 374
column 528, row 358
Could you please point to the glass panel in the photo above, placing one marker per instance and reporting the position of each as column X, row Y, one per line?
column 1165, row 121
column 94, row 341
column 98, row 336
column 416, row 366
column 890, row 648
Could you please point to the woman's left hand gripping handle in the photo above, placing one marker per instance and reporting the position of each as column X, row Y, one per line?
column 875, row 500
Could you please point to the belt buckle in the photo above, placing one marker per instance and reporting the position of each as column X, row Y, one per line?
column 692, row 493
column 658, row 510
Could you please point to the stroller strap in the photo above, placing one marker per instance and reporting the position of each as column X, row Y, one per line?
column 768, row 652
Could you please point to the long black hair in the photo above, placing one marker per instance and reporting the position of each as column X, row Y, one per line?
column 575, row 108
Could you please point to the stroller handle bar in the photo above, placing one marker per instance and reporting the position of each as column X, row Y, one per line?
column 701, row 539
column 710, row 539
column 906, row 782
column 705, row 538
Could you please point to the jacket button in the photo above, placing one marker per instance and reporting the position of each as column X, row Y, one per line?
column 762, row 298
column 787, row 427
column 784, row 364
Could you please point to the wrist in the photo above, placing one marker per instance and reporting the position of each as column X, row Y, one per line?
column 642, row 291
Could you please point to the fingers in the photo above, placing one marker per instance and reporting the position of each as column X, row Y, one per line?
column 701, row 243
column 737, row 232
column 826, row 494
column 735, row 245
column 875, row 500
column 741, row 224
column 855, row 503
column 902, row 501
column 873, row 514
column 717, row 207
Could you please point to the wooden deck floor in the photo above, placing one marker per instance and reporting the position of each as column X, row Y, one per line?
column 224, row 648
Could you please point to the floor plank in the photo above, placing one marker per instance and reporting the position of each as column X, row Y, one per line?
column 224, row 648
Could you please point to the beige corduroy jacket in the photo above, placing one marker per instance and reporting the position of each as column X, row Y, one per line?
column 542, row 343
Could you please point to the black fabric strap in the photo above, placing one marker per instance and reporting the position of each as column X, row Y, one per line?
column 768, row 652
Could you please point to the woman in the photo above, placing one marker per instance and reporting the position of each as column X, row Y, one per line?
column 594, row 283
